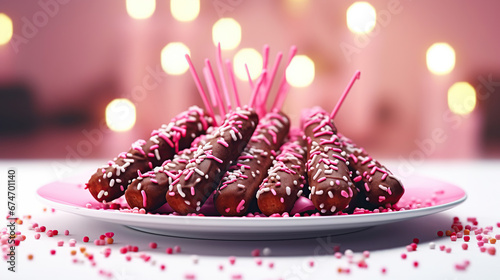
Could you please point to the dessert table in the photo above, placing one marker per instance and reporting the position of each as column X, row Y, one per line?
column 408, row 249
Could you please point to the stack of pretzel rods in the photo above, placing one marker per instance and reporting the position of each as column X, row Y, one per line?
column 286, row 177
column 110, row 181
column 240, row 184
column 376, row 183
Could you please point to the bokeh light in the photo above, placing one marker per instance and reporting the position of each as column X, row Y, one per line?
column 300, row 72
column 140, row 9
column 440, row 58
column 173, row 60
column 361, row 17
column 6, row 29
column 254, row 61
column 185, row 10
column 461, row 98
column 120, row 115
column 227, row 32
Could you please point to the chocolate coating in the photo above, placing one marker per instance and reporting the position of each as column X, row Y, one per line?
column 148, row 191
column 240, row 184
column 329, row 178
column 211, row 160
column 286, row 177
column 376, row 183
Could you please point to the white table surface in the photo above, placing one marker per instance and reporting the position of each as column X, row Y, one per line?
column 201, row 259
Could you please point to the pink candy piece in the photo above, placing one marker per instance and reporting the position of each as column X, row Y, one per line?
column 177, row 249
column 169, row 250
column 448, row 250
column 453, row 238
column 37, row 236
column 255, row 253
column 60, row 243
column 109, row 234
column 72, row 242
column 258, row 261
column 465, row 246
column 492, row 251
column 153, row 245
column 66, row 232
column 232, row 260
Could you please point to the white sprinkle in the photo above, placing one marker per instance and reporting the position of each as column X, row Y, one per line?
column 330, row 194
column 110, row 174
column 118, row 181
column 299, row 193
column 112, row 182
column 323, row 211
column 179, row 190
column 345, row 178
column 139, row 186
column 118, row 170
column 288, row 190
column 241, row 186
column 432, row 245
column 322, row 205
column 333, row 208
column 99, row 195
column 199, row 172
column 187, row 202
column 331, row 183
column 157, row 154
column 313, row 189
column 317, row 174
column 233, row 135
column 320, row 192
column 384, row 188
column 295, row 182
column 106, row 193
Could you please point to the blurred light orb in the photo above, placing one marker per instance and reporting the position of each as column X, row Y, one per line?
column 254, row 61
column 140, row 9
column 173, row 60
column 227, row 31
column 440, row 58
column 361, row 17
column 461, row 98
column 300, row 72
column 6, row 29
column 185, row 10
column 120, row 115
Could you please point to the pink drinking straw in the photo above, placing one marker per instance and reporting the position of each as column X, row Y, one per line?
column 202, row 93
column 222, row 78
column 257, row 87
column 229, row 67
column 216, row 88
column 283, row 89
column 346, row 91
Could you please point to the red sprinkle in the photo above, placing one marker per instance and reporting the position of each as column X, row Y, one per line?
column 52, row 252
column 86, row 239
column 403, row 256
column 169, row 250
column 466, row 238
column 110, row 234
column 232, row 260
column 416, row 240
column 255, row 253
column 415, row 264
column 153, row 245
column 440, row 233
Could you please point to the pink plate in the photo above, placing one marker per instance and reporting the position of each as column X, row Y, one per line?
column 423, row 196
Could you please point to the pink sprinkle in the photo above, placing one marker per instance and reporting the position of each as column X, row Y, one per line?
column 271, row 265
column 366, row 254
column 482, row 249
column 479, row 237
column 162, row 267
column 409, row 248
column 311, row 263
column 190, row 276
column 153, row 245
column 453, row 238
column 123, row 250
column 480, row 243
column 415, row 264
column 255, row 253
column 37, row 236
column 66, row 232
column 338, row 255
column 109, row 234
column 448, row 250
column 492, row 251
column 144, row 198
column 192, row 191
column 344, row 193
column 258, row 261
column 465, row 246
column 232, row 260
column 169, row 251
column 177, row 249
column 321, row 179
column 403, row 256
column 52, row 252
column 72, row 242
column 85, row 239
column 240, row 206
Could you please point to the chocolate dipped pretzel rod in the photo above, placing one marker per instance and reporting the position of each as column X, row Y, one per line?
column 329, row 178
column 286, row 177
column 240, row 184
column 148, row 190
column 210, row 161
column 377, row 184
column 110, row 181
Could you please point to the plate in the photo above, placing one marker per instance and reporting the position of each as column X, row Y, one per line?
column 423, row 196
